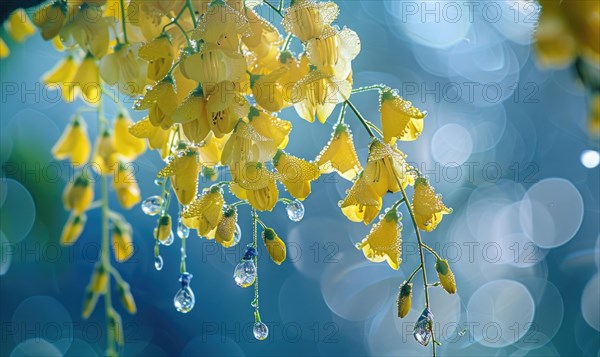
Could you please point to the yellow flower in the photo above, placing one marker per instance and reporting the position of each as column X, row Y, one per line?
column 62, row 75
column 263, row 38
column 127, row 145
column 317, row 94
column 212, row 65
column 163, row 230
column 87, row 80
column 383, row 243
column 362, row 202
column 50, row 19
column 106, row 156
column 275, row 246
column 445, row 275
column 272, row 91
column 121, row 241
column 158, row 139
column 78, row 194
column 225, row 231
column 399, row 118
column 210, row 152
column 4, row 50
column 386, row 168
column 257, row 185
column 73, row 228
column 126, row 297
column 57, row 43
column 295, row 174
column 271, row 127
column 404, row 299
column 427, row 206
column 333, row 51
column 126, row 186
column 89, row 303
column 225, row 106
column 205, row 212
column 247, row 145
column 99, row 279
column 159, row 54
column 74, row 143
column 161, row 102
column 125, row 68
column 307, row 18
column 221, row 25
column 18, row 26
column 339, row 154
column 89, row 30
column 183, row 171
column 193, row 117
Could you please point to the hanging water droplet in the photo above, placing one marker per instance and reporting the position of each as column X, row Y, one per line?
column 158, row 262
column 152, row 205
column 340, row 202
column 167, row 242
column 159, row 181
column 295, row 211
column 423, row 327
column 399, row 214
column 260, row 330
column 237, row 235
column 400, row 225
column 184, row 300
column 381, row 216
column 244, row 273
column 182, row 230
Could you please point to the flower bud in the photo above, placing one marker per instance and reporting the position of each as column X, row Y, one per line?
column 275, row 246
column 445, row 275
column 73, row 228
column 163, row 231
column 99, row 280
column 78, row 194
column 89, row 303
column 126, row 298
column 404, row 299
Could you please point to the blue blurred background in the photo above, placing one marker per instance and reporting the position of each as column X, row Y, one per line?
column 504, row 141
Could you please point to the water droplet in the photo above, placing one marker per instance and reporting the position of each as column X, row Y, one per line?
column 152, row 205
column 182, row 230
column 340, row 202
column 423, row 326
column 399, row 214
column 244, row 273
column 184, row 300
column 295, row 211
column 237, row 235
column 260, row 330
column 400, row 225
column 159, row 181
column 381, row 217
column 167, row 242
column 158, row 262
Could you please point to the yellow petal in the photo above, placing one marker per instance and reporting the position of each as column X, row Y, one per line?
column 74, row 143
column 275, row 246
column 126, row 144
column 295, row 174
column 383, row 243
column 18, row 25
column 427, row 206
column 339, row 154
column 73, row 228
column 306, row 18
column 399, row 118
column 362, row 202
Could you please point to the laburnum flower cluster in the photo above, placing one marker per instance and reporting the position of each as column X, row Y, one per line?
column 212, row 78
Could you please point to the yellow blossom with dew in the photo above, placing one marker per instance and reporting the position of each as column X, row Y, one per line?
column 213, row 65
column 125, row 68
column 161, row 102
column 224, row 107
column 225, row 230
column 446, row 276
column 399, row 118
column 89, row 30
column 158, row 138
column 383, row 243
column 122, row 241
column 258, row 185
column 247, row 145
column 339, row 154
column 205, row 212
column 386, row 168
column 317, row 94
column 404, row 300
column 163, row 231
column 159, row 55
column 193, row 117
column 295, row 173
column 183, row 171
column 106, row 157
column 333, row 50
column 428, row 206
column 78, row 194
column 362, row 204
column 50, row 19
column 307, row 18
column 127, row 145
column 126, row 186
column 270, row 127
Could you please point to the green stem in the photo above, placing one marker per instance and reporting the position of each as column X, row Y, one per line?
column 272, row 7
column 377, row 87
column 412, row 275
column 174, row 21
column 288, row 41
column 280, row 7
column 360, row 118
column 435, row 254
column 105, row 259
column 123, row 21
column 254, row 245
column 342, row 113
column 188, row 4
column 182, row 267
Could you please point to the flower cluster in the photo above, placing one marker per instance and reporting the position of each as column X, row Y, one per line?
column 212, row 78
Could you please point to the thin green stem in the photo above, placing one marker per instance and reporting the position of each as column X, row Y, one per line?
column 342, row 113
column 288, row 42
column 181, row 12
column 272, row 7
column 190, row 7
column 124, row 21
column 280, row 7
column 377, row 87
column 412, row 275
column 182, row 267
column 435, row 254
column 105, row 259
column 398, row 203
column 262, row 223
column 360, row 118
column 187, row 38
column 254, row 245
